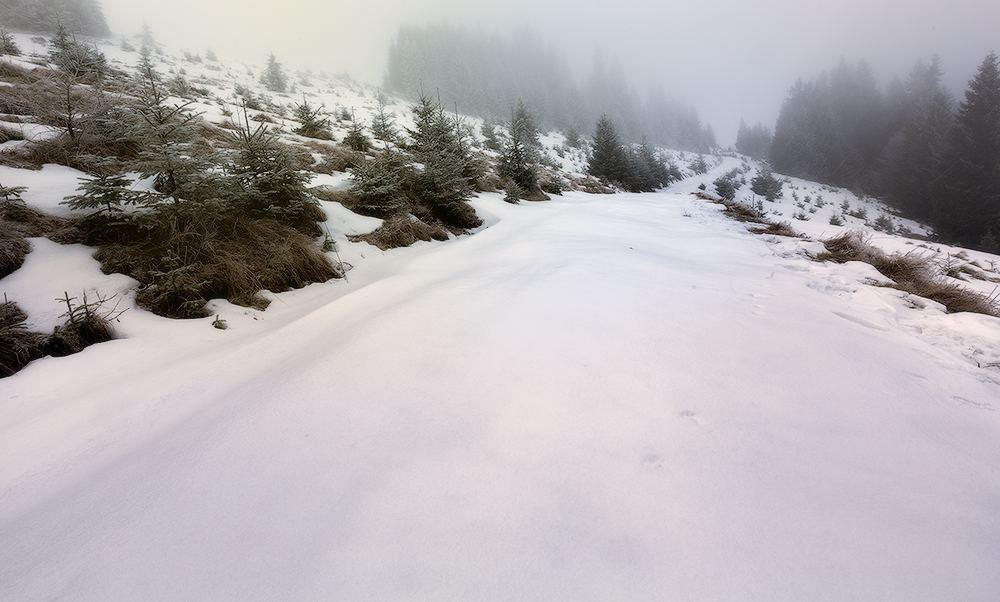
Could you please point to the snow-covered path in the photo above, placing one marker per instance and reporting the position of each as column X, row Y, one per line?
column 597, row 398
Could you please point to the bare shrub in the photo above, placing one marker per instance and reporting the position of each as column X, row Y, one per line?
column 401, row 231
column 86, row 324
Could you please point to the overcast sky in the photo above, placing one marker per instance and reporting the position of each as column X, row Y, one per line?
column 729, row 58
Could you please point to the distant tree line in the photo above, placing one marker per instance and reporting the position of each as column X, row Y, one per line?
column 910, row 145
column 486, row 75
column 82, row 17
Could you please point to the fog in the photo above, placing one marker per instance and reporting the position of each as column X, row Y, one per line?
column 729, row 59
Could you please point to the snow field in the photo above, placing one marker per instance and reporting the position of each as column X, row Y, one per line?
column 592, row 398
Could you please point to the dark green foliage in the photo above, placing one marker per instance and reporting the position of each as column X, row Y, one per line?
column 273, row 78
column 634, row 168
column 314, row 121
column 7, row 45
column 379, row 185
column 450, row 170
column 165, row 131
column 699, row 165
column 832, row 129
column 356, row 139
column 107, row 193
column 41, row 16
column 486, row 75
column 75, row 58
column 513, row 193
column 725, row 187
column 884, row 224
column 383, row 128
column 754, row 141
column 607, row 158
column 520, row 151
column 268, row 185
column 766, row 185
column 490, row 138
column 967, row 203
column 988, row 243
column 911, row 157
column 247, row 98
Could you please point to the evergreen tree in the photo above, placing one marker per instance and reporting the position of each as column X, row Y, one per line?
column 449, row 172
column 379, row 185
column 911, row 158
column 269, row 184
column 754, row 141
column 273, row 78
column 967, row 204
column 8, row 46
column 314, row 121
column 164, row 132
column 766, row 185
column 383, row 127
column 356, row 139
column 521, row 150
column 607, row 159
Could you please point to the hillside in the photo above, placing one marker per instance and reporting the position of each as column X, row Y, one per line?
column 596, row 397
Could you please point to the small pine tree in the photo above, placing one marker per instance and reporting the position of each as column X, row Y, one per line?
column 766, row 185
column 450, row 170
column 315, row 123
column 724, row 188
column 378, row 184
column 988, row 243
column 383, row 127
column 273, row 78
column 356, row 139
column 270, row 185
column 7, row 45
column 519, row 152
column 607, row 160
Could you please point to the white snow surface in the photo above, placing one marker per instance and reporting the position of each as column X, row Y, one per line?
column 612, row 397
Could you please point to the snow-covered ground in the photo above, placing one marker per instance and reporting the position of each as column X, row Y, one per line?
column 595, row 398
column 600, row 397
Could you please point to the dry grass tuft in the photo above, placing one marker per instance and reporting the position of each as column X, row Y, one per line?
column 401, row 231
column 13, row 247
column 744, row 213
column 184, row 262
column 335, row 158
column 777, row 229
column 18, row 346
column 912, row 273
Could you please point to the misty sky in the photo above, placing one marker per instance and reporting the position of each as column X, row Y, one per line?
column 730, row 59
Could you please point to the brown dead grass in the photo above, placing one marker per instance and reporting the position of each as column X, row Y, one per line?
column 742, row 213
column 186, row 261
column 909, row 272
column 13, row 247
column 401, row 231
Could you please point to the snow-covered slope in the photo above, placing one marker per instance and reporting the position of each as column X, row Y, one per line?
column 595, row 398
column 601, row 397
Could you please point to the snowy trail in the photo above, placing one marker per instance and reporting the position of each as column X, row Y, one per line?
column 596, row 398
